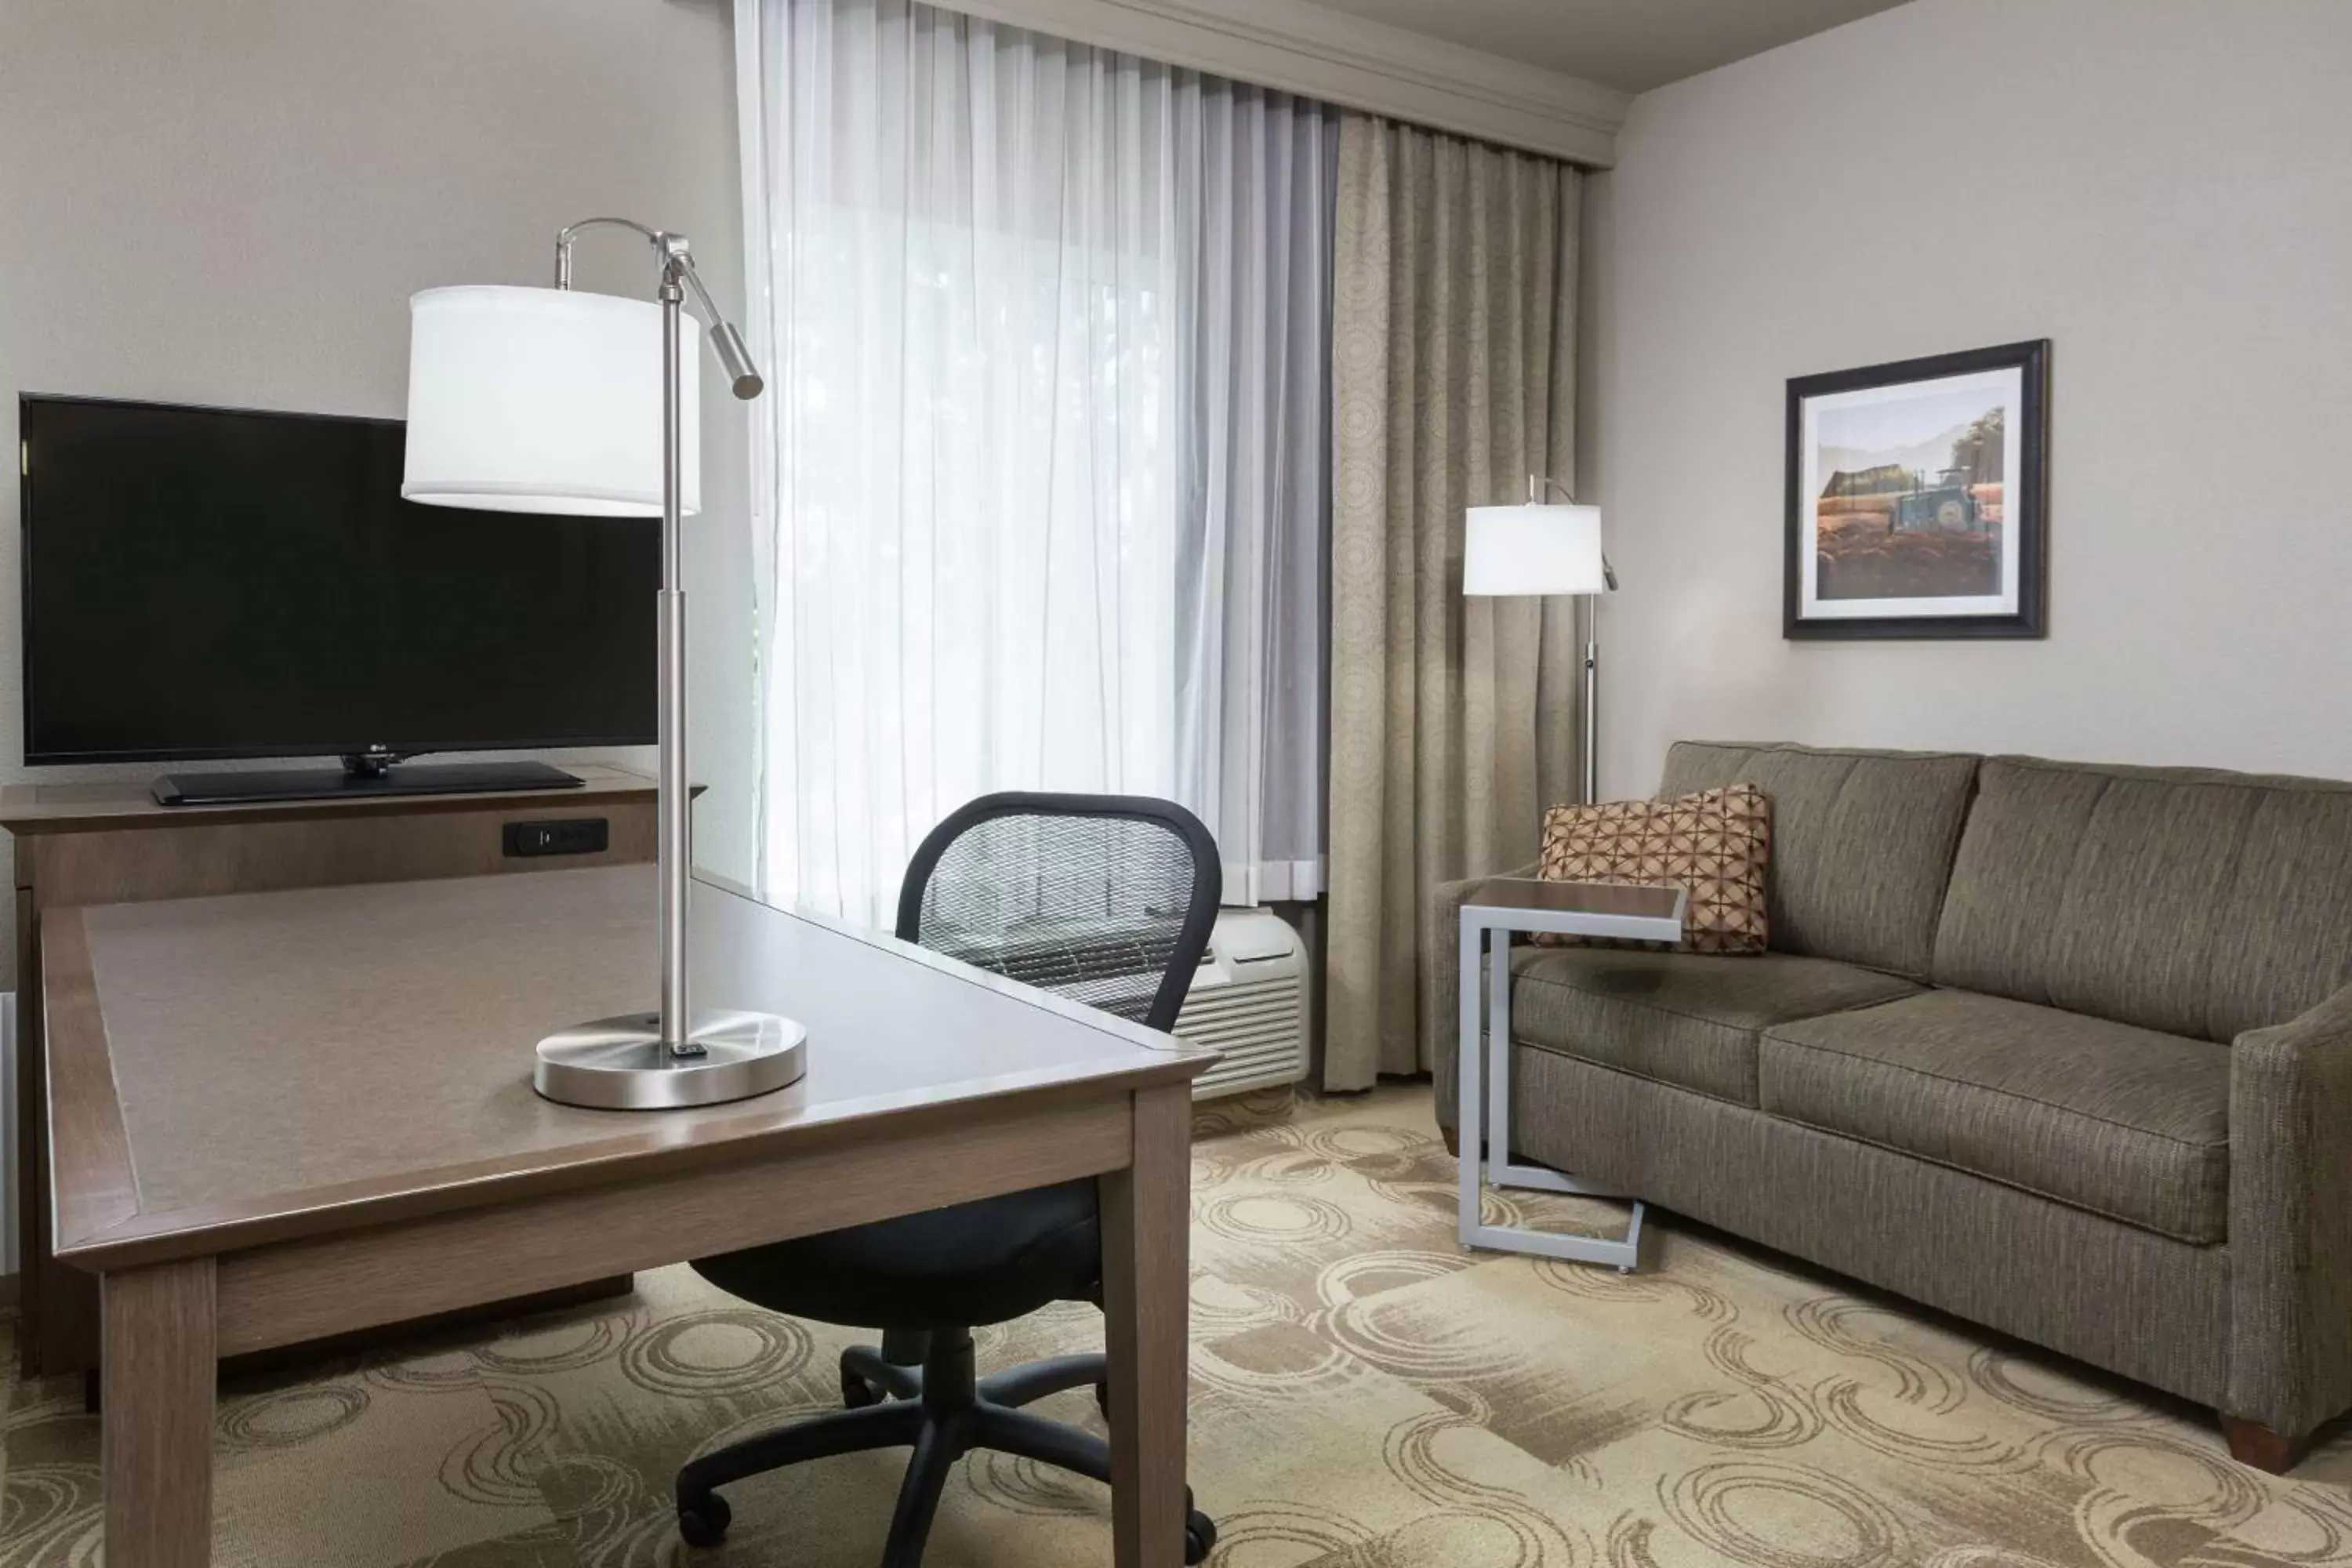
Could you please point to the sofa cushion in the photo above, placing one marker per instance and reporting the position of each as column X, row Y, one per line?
column 1715, row 844
column 2182, row 899
column 2124, row 1122
column 1688, row 1019
column 1861, row 843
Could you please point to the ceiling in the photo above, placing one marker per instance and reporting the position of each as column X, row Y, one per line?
column 1629, row 45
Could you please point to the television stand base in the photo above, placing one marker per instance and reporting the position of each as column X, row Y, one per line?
column 342, row 783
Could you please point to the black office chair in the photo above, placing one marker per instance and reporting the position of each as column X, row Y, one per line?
column 1103, row 899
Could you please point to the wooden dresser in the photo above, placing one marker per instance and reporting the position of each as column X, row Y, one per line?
column 82, row 844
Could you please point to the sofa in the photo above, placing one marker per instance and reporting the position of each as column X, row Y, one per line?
column 2062, row 1049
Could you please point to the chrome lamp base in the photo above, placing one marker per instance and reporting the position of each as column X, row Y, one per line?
column 621, row 1064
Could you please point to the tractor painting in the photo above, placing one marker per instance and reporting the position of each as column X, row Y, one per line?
column 1948, row 506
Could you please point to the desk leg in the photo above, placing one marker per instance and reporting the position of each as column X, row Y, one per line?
column 157, row 1432
column 1147, row 1220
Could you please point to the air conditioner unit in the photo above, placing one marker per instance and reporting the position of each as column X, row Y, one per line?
column 1249, row 1000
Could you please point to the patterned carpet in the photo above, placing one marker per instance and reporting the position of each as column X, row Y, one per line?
column 1364, row 1395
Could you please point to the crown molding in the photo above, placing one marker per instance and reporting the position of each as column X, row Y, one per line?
column 1298, row 46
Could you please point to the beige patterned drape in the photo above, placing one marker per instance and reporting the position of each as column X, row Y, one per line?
column 1453, row 721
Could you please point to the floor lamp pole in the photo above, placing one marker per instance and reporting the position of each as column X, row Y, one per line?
column 673, row 1057
column 672, row 807
column 1499, row 549
column 1592, row 700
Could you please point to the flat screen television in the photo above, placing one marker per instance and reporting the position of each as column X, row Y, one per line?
column 206, row 582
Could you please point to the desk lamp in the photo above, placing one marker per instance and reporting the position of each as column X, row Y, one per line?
column 549, row 400
column 1538, row 549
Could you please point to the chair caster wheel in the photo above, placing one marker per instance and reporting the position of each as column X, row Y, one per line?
column 857, row 1393
column 704, row 1521
column 1200, row 1538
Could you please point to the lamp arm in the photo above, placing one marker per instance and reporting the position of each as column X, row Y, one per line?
column 563, row 242
column 725, row 340
column 677, row 270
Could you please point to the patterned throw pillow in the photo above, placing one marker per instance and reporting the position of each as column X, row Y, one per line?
column 1716, row 844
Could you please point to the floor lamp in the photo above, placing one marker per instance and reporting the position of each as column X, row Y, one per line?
column 552, row 400
column 1534, row 550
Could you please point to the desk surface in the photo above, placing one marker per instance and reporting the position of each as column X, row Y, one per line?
column 234, row 1071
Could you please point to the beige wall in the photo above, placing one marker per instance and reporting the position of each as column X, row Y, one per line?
column 2164, row 189
column 230, row 203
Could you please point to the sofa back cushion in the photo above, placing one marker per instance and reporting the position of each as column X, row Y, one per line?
column 2186, row 899
column 1861, row 842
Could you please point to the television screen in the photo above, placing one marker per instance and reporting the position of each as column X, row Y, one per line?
column 207, row 583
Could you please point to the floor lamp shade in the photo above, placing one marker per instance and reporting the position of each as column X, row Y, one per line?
column 1535, row 550
column 543, row 400
column 1538, row 550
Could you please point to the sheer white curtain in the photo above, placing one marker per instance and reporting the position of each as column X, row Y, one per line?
column 1007, row 485
column 1255, row 213
column 964, row 514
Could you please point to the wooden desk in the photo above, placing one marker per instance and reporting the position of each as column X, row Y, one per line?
column 279, row 1116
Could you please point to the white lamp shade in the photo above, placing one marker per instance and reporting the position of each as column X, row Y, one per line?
column 544, row 400
column 1513, row 550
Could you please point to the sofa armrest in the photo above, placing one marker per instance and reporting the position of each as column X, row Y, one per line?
column 2291, row 1219
column 1441, row 1018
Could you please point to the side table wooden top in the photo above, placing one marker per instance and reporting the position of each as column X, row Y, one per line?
column 1659, row 901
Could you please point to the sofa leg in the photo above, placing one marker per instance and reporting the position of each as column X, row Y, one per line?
column 2255, row 1445
column 1452, row 1136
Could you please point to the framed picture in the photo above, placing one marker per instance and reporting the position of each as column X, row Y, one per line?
column 1917, row 497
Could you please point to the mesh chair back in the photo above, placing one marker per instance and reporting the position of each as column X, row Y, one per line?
column 1107, row 899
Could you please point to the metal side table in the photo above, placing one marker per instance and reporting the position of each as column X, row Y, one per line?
column 1494, row 912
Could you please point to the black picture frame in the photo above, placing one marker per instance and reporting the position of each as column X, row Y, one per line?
column 2025, row 518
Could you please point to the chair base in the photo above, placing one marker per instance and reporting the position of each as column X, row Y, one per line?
column 942, row 1411
column 895, row 1371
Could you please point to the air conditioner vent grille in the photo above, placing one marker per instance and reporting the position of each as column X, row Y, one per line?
column 1254, row 1012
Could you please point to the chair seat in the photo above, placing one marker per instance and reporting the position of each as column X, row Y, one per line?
column 2124, row 1122
column 974, row 1264
column 1686, row 1019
